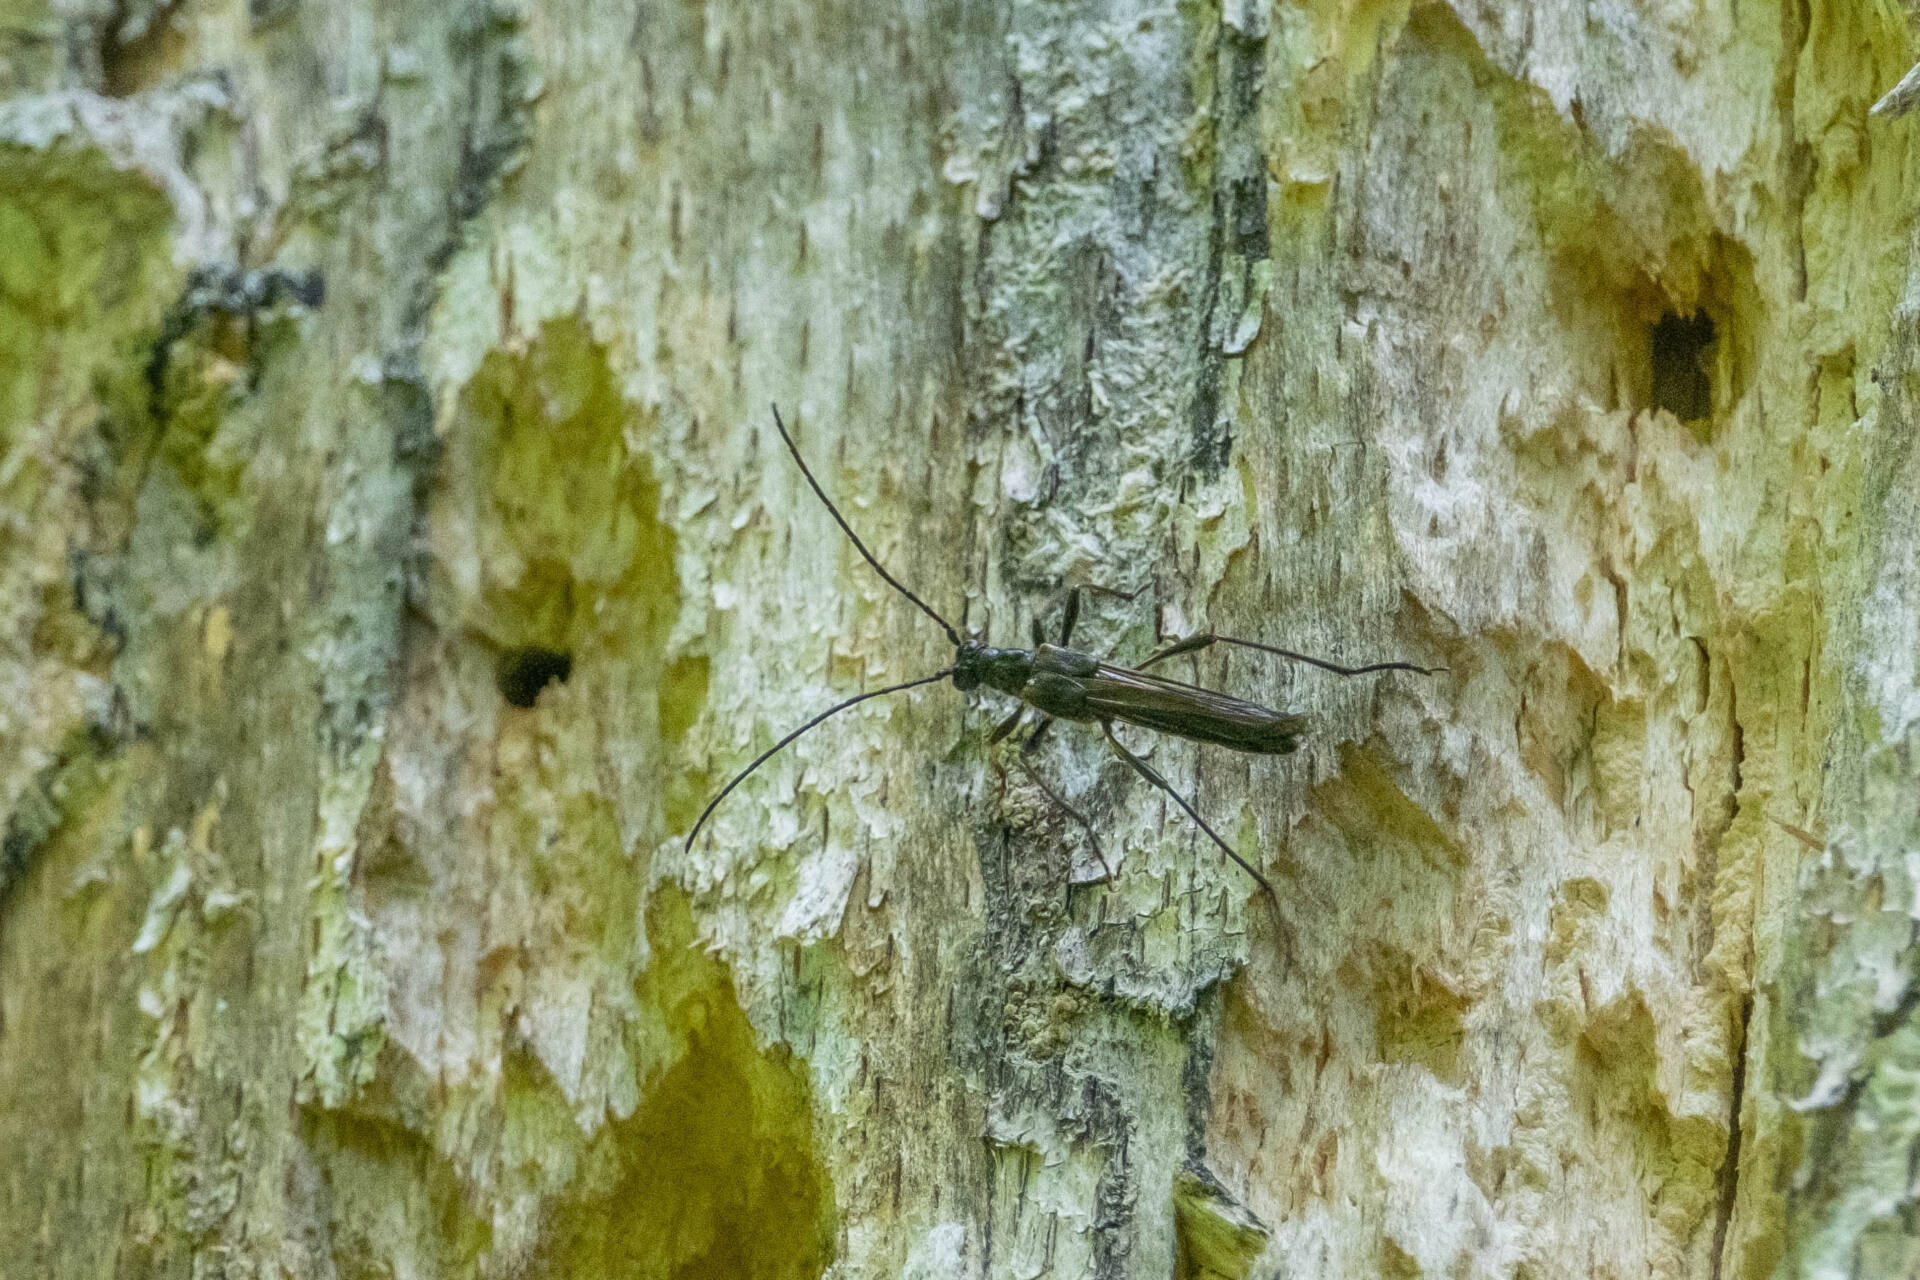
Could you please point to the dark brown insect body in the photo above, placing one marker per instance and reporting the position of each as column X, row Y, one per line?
column 1062, row 683
column 1071, row 685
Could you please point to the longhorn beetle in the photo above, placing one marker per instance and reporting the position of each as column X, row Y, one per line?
column 1062, row 683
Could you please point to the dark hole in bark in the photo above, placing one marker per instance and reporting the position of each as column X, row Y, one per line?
column 1681, row 358
column 525, row 672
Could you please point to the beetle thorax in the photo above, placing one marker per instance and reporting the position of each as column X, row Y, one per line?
column 976, row 664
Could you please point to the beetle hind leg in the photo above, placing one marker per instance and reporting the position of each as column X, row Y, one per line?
column 1152, row 775
column 1060, row 803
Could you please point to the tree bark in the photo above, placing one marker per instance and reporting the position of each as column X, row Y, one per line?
column 397, row 555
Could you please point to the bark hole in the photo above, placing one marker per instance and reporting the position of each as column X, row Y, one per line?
column 525, row 672
column 1680, row 351
column 545, row 490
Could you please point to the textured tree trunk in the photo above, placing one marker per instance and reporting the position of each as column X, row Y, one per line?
column 396, row 554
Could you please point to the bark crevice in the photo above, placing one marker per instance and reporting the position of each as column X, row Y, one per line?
column 1729, row 1178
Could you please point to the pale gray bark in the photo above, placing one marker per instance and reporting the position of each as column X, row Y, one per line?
column 362, row 364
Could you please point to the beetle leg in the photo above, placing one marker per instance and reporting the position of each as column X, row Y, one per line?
column 1033, row 776
column 1152, row 775
column 1071, row 614
column 1000, row 731
column 1117, row 593
column 1069, row 617
column 1039, row 731
column 1192, row 644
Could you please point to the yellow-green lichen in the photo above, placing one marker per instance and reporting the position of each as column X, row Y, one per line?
column 1615, row 1092
column 1215, row 1237
column 1371, row 810
column 86, row 273
column 1417, row 1018
column 714, row 1176
column 566, row 538
column 683, row 699
column 392, row 1203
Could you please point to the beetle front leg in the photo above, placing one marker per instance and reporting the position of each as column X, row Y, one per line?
column 1000, row 731
column 1069, row 617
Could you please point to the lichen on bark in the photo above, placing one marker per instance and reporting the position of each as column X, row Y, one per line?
column 398, row 555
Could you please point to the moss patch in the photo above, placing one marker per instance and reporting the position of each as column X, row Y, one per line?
column 86, row 274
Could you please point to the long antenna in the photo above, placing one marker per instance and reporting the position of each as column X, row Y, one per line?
column 1334, row 667
column 769, row 753
column 834, row 511
column 1193, row 644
